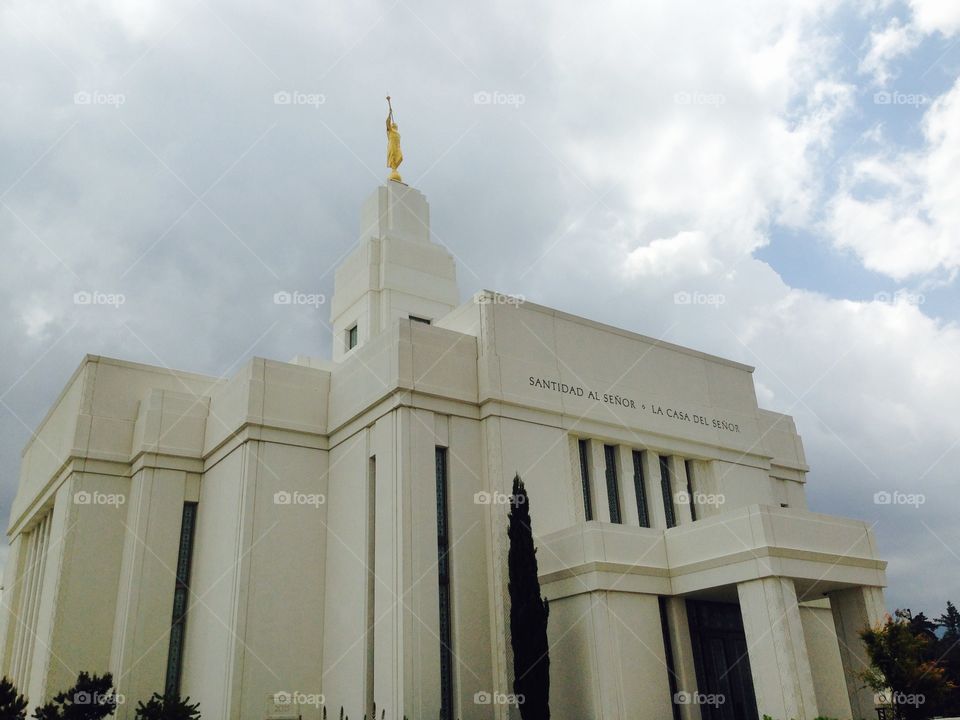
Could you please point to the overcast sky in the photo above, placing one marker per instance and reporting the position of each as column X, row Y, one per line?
column 796, row 161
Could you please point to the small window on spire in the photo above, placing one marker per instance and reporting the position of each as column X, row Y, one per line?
column 352, row 338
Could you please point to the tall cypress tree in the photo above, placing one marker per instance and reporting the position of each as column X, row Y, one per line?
column 528, row 613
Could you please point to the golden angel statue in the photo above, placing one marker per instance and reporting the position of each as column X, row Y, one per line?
column 394, row 153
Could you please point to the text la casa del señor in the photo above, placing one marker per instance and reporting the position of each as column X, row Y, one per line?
column 627, row 402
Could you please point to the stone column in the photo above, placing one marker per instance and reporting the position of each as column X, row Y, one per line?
column 598, row 482
column 682, row 646
column 629, row 677
column 13, row 575
column 628, row 493
column 651, row 479
column 853, row 610
column 678, row 486
column 141, row 636
column 779, row 665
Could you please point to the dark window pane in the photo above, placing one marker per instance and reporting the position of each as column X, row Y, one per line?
column 443, row 574
column 613, row 492
column 180, row 599
column 690, row 496
column 642, row 510
column 585, row 479
column 667, row 492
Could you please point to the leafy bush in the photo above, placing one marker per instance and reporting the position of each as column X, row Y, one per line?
column 898, row 664
column 13, row 706
column 92, row 698
column 167, row 707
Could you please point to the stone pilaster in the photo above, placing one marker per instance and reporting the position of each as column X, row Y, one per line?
column 779, row 664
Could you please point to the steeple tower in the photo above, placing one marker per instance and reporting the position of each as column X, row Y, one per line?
column 396, row 271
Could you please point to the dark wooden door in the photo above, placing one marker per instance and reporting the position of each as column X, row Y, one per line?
column 720, row 656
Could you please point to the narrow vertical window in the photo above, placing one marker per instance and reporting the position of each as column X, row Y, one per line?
column 352, row 338
column 693, row 505
column 371, row 577
column 613, row 492
column 181, row 594
column 665, row 489
column 585, row 478
column 443, row 574
column 642, row 511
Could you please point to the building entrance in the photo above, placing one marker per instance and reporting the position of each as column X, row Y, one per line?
column 720, row 657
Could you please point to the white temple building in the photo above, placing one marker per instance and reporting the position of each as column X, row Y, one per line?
column 336, row 529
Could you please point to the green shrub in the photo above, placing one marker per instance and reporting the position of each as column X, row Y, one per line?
column 169, row 707
column 91, row 698
column 13, row 706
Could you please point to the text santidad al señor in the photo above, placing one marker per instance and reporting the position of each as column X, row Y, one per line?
column 627, row 402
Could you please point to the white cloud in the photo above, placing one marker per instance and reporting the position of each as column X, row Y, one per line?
column 36, row 319
column 900, row 213
column 898, row 38
column 936, row 16
column 686, row 253
column 887, row 45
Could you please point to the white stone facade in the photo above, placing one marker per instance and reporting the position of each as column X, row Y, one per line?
column 314, row 563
